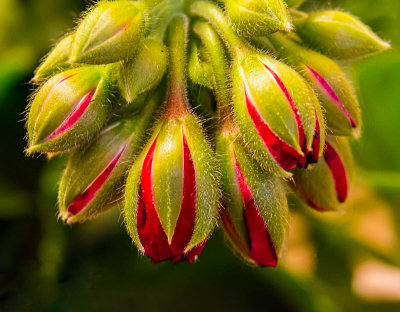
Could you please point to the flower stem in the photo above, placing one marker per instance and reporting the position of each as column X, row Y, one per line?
column 218, row 20
column 177, row 43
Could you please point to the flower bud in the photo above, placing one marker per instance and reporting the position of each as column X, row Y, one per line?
column 252, row 18
column 278, row 114
column 110, row 32
column 339, row 35
column 255, row 212
column 171, row 197
column 336, row 94
column 94, row 178
column 294, row 3
column 325, row 185
column 145, row 70
column 200, row 72
column 56, row 61
column 68, row 109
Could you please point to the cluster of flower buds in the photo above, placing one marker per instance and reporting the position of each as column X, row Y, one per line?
column 118, row 95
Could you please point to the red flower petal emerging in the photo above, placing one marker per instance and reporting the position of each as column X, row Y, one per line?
column 150, row 230
column 283, row 153
column 338, row 172
column 262, row 249
column 75, row 114
column 279, row 82
column 332, row 95
column 83, row 199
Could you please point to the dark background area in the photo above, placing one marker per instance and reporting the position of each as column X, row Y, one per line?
column 332, row 262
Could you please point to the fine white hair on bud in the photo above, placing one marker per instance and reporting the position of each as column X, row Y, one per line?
column 142, row 95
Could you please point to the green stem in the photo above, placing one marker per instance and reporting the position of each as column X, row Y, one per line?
column 213, row 14
column 177, row 45
column 298, row 17
column 216, row 53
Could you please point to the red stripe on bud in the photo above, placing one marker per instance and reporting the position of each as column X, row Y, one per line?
column 150, row 230
column 82, row 200
column 283, row 153
column 262, row 249
column 332, row 95
column 76, row 112
column 313, row 156
column 338, row 172
column 279, row 82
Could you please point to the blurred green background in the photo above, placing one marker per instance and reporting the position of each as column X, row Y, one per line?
column 331, row 263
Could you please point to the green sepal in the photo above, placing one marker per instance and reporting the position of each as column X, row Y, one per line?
column 145, row 71
column 252, row 18
column 56, row 61
column 207, row 181
column 317, row 185
column 110, row 32
column 168, row 174
column 339, row 35
column 200, row 72
column 302, row 59
column 56, row 100
column 273, row 106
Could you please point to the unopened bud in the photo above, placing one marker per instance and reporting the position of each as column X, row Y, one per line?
column 94, row 178
column 111, row 32
column 278, row 114
column 56, row 61
column 336, row 94
column 325, row 185
column 145, row 70
column 68, row 109
column 252, row 18
column 171, row 198
column 339, row 35
column 255, row 212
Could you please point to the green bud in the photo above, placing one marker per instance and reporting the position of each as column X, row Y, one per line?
column 143, row 72
column 335, row 92
column 339, row 35
column 255, row 211
column 111, row 32
column 252, row 18
column 172, row 197
column 200, row 72
column 325, row 185
column 278, row 114
column 68, row 109
column 94, row 178
column 56, row 60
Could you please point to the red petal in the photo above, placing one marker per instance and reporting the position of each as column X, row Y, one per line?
column 262, row 249
column 338, row 172
column 302, row 136
column 230, row 230
column 150, row 230
column 283, row 153
column 332, row 95
column 75, row 114
column 82, row 200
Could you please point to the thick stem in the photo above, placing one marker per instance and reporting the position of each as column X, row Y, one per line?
column 222, row 81
column 177, row 44
column 218, row 20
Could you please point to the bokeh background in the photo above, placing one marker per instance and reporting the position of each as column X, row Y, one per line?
column 346, row 262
